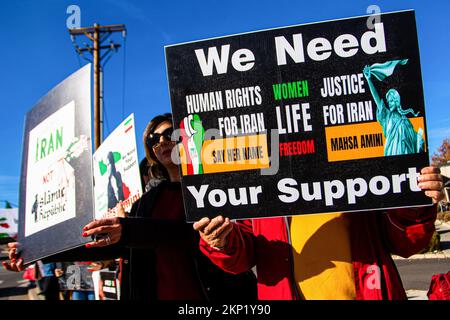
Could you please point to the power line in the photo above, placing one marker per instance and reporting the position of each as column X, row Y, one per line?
column 75, row 45
column 100, row 53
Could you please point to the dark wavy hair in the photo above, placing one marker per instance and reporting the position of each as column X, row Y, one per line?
column 157, row 170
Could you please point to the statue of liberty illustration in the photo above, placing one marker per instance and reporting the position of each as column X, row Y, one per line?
column 192, row 137
column 397, row 128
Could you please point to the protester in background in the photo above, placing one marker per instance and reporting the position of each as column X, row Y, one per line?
column 30, row 275
column 59, row 273
column 85, row 290
column 107, row 284
column 324, row 256
column 164, row 261
column 145, row 174
column 147, row 179
column 47, row 280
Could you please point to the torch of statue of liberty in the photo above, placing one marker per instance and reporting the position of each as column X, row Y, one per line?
column 397, row 128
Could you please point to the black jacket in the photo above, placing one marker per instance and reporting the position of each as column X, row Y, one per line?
column 141, row 235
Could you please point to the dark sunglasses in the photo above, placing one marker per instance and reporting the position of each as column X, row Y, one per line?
column 154, row 138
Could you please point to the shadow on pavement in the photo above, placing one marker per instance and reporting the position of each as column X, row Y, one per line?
column 13, row 291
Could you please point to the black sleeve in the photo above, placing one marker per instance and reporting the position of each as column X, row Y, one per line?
column 150, row 233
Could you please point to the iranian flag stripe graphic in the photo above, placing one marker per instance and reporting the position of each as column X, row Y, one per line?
column 127, row 123
column 128, row 129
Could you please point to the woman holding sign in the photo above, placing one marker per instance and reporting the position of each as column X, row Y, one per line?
column 324, row 256
column 163, row 261
column 164, row 246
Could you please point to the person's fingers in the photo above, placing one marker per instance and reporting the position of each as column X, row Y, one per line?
column 221, row 241
column 115, row 236
column 101, row 222
column 430, row 177
column 12, row 254
column 100, row 230
column 13, row 265
column 112, row 237
column 218, row 237
column 430, row 169
column 93, row 224
column 431, row 185
column 224, row 234
column 96, row 244
column 13, row 250
column 201, row 224
column 435, row 195
column 6, row 266
column 100, row 243
column 214, row 224
column 10, row 266
column 19, row 265
column 226, row 231
column 218, row 232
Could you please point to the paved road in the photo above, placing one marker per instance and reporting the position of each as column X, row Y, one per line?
column 12, row 286
column 416, row 274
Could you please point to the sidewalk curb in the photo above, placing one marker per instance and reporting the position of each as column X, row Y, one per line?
column 33, row 293
column 437, row 255
column 417, row 294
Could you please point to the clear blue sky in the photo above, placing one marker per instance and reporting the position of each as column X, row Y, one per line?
column 37, row 53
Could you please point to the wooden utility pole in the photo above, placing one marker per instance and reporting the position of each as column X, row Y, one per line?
column 98, row 35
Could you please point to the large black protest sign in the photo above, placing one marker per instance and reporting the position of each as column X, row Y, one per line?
column 314, row 118
column 56, row 187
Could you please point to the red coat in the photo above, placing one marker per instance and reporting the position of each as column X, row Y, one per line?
column 374, row 237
